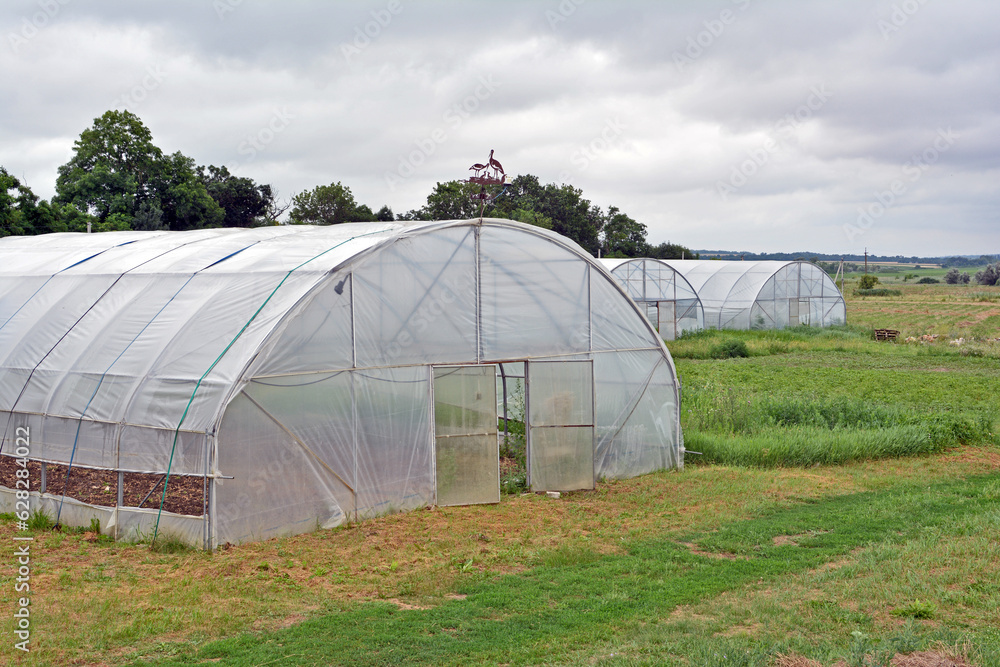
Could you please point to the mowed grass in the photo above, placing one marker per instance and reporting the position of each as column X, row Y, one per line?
column 953, row 311
column 718, row 564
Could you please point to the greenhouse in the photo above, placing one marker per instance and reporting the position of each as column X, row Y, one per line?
column 231, row 385
column 670, row 302
column 763, row 295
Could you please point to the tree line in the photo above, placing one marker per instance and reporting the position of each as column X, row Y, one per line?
column 118, row 179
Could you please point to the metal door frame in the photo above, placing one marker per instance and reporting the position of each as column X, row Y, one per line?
column 433, row 425
column 527, row 415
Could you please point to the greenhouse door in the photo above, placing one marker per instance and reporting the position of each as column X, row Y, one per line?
column 466, row 450
column 798, row 312
column 560, row 425
column 667, row 324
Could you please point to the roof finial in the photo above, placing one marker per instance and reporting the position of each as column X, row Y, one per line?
column 489, row 174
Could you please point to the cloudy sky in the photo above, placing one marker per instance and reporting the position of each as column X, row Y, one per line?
column 759, row 125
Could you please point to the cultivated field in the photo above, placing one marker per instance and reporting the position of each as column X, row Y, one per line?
column 844, row 509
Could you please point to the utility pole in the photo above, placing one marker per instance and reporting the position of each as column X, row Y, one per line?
column 866, row 261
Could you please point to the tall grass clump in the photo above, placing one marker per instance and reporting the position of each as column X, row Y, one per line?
column 986, row 297
column 734, row 428
column 716, row 344
column 878, row 291
column 731, row 348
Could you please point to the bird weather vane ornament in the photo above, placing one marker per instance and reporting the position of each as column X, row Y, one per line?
column 486, row 175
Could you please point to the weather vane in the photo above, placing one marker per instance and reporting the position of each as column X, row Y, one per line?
column 486, row 175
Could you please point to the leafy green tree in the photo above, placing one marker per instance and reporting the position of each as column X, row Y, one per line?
column 323, row 205
column 245, row 203
column 364, row 214
column 867, row 281
column 182, row 196
column 38, row 216
column 22, row 213
column 384, row 214
column 671, row 251
column 149, row 217
column 571, row 215
column 113, row 166
column 74, row 219
column 990, row 275
column 530, row 217
column 10, row 216
column 116, row 170
column 623, row 236
column 452, row 200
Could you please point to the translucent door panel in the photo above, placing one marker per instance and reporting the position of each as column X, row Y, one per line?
column 561, row 425
column 465, row 434
column 666, row 325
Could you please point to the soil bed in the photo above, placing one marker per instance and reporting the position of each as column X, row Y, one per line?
column 185, row 495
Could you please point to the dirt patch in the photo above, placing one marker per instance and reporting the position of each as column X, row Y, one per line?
column 919, row 659
column 185, row 495
column 406, row 606
column 784, row 540
column 796, row 661
column 929, row 659
column 981, row 455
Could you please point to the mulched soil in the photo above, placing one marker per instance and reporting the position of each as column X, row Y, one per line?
column 185, row 495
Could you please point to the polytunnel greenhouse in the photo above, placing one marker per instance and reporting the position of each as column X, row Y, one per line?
column 670, row 302
column 295, row 377
column 764, row 294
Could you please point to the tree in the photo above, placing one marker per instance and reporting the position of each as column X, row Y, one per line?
column 116, row 171
column 867, row 281
column 182, row 197
column 384, row 214
column 951, row 277
column 38, row 217
column 530, row 217
column 672, row 251
column 112, row 168
column 623, row 236
column 990, row 275
column 571, row 214
column 10, row 216
column 452, row 200
column 323, row 205
column 245, row 203
column 364, row 214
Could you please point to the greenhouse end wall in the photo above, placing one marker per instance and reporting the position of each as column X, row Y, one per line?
column 294, row 369
column 763, row 294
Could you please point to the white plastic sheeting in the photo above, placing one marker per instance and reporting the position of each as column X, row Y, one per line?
column 292, row 367
column 763, row 295
column 671, row 303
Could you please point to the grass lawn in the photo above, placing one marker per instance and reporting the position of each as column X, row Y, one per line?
column 743, row 558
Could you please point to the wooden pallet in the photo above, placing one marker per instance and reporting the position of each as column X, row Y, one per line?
column 886, row 334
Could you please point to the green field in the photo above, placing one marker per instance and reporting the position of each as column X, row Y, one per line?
column 844, row 508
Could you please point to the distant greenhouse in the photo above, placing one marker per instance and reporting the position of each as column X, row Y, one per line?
column 669, row 300
column 298, row 377
column 763, row 295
